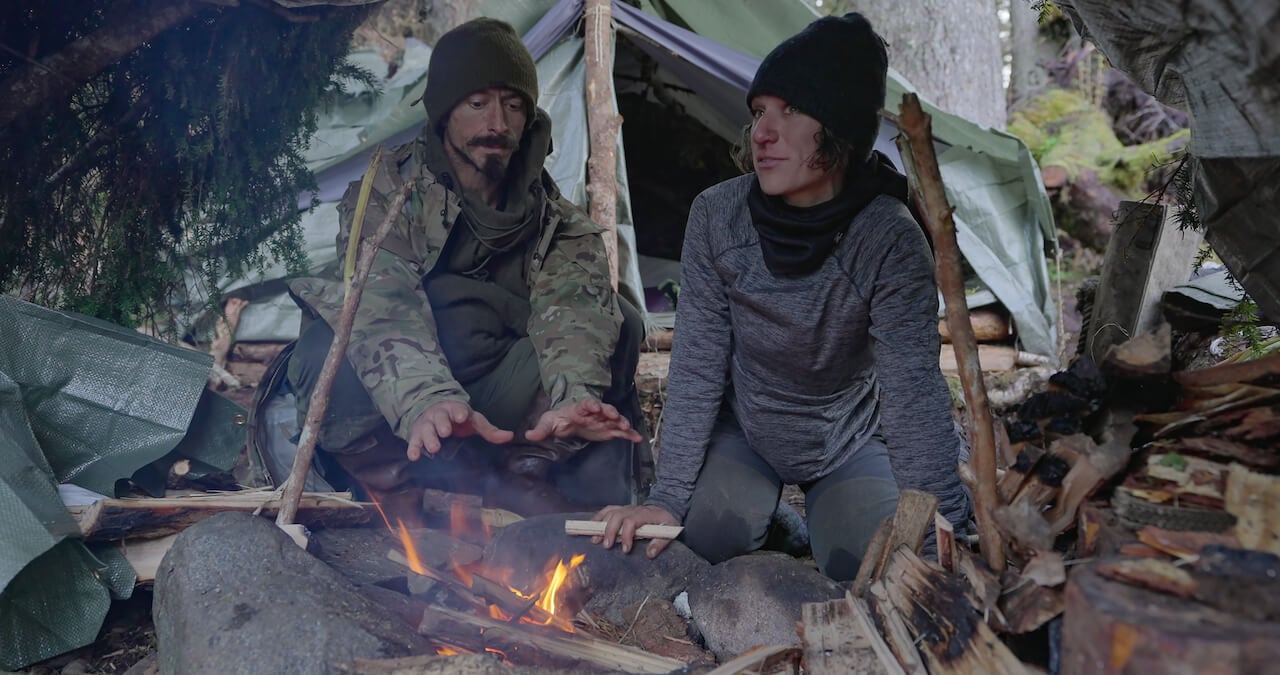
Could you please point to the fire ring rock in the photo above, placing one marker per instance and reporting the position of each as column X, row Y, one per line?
column 236, row 595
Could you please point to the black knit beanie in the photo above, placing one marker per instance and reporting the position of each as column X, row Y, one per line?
column 833, row 71
column 479, row 54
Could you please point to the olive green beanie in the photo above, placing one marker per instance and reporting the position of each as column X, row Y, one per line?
column 480, row 54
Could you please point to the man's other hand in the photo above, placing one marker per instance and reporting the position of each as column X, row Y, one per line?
column 450, row 419
column 621, row 523
column 587, row 419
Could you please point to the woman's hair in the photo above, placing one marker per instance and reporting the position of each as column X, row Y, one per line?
column 833, row 152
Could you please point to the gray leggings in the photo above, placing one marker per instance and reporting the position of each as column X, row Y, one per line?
column 737, row 491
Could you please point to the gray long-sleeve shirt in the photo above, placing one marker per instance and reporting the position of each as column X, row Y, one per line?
column 812, row 366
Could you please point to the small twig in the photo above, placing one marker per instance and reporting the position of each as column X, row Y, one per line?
column 337, row 351
column 634, row 619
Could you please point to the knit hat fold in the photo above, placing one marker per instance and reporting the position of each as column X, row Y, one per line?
column 833, row 71
column 479, row 54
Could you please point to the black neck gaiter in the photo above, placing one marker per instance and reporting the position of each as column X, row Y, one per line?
column 797, row 240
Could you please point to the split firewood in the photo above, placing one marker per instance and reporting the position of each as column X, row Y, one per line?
column 1229, row 373
column 595, row 528
column 954, row 639
column 894, row 629
column 1028, row 607
column 1144, row 356
column 1266, row 459
column 149, row 518
column 1155, row 574
column 1188, row 475
column 1184, row 545
column 144, row 556
column 838, row 638
column 527, row 645
column 659, row 340
column 908, row 527
column 1024, row 528
column 1019, row 472
column 1045, row 568
column 1095, row 466
column 984, row 586
column 946, row 539
column 1254, row 499
column 783, row 660
column 1044, row 483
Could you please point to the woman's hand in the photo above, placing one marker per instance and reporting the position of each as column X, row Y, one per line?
column 621, row 523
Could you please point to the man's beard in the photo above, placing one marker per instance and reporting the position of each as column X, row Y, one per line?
column 494, row 167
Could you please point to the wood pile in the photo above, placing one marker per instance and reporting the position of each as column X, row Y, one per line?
column 1140, row 514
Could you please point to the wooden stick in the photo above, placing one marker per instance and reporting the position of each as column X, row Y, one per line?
column 337, row 351
column 1230, row 373
column 762, row 659
column 595, row 528
column 224, row 331
column 916, row 127
column 602, row 126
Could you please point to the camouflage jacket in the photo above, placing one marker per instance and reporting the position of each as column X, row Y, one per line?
column 574, row 320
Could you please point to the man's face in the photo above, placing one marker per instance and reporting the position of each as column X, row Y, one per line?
column 484, row 130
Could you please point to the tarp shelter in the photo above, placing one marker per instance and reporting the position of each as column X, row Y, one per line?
column 85, row 405
column 706, row 53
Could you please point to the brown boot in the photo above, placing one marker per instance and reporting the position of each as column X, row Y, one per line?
column 378, row 463
column 522, row 487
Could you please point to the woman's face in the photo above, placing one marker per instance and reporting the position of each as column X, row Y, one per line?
column 783, row 144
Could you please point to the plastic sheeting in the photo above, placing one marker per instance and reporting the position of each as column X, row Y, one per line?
column 86, row 402
column 711, row 47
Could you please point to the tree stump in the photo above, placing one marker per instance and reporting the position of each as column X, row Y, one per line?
column 1112, row 628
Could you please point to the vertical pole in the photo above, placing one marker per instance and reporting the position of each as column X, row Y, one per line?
column 602, row 125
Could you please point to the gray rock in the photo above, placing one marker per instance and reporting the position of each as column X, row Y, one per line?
column 613, row 580
column 754, row 600
column 236, row 595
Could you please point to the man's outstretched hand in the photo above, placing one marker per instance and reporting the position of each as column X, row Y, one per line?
column 448, row 419
column 621, row 523
column 587, row 419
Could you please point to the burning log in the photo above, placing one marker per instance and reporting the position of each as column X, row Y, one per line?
column 522, row 645
column 839, row 637
column 110, row 519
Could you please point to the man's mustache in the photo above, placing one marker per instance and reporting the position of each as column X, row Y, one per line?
column 496, row 141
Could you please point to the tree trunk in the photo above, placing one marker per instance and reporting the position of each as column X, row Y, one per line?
column 1029, row 48
column 949, row 50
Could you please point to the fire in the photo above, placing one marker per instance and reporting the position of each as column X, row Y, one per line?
column 445, row 651
column 548, row 599
column 410, row 550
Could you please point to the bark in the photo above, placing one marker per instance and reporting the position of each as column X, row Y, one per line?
column 949, row 50
column 61, row 73
column 603, row 124
column 1029, row 48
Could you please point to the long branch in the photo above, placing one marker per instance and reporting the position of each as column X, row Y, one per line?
column 916, row 125
column 337, row 351
column 32, row 85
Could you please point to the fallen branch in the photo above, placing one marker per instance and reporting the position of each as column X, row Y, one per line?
column 111, row 519
column 224, row 331
column 337, row 351
column 915, row 125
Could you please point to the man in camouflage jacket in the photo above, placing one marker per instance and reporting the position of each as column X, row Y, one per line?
column 488, row 333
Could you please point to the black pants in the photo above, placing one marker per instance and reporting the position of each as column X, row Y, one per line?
column 597, row 475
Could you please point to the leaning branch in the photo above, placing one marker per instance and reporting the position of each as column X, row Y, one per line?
column 916, row 126
column 337, row 351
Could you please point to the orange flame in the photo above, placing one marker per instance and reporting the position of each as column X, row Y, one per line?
column 445, row 651
column 410, row 550
column 548, row 599
column 497, row 652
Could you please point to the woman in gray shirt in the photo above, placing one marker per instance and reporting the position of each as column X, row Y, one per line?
column 806, row 343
